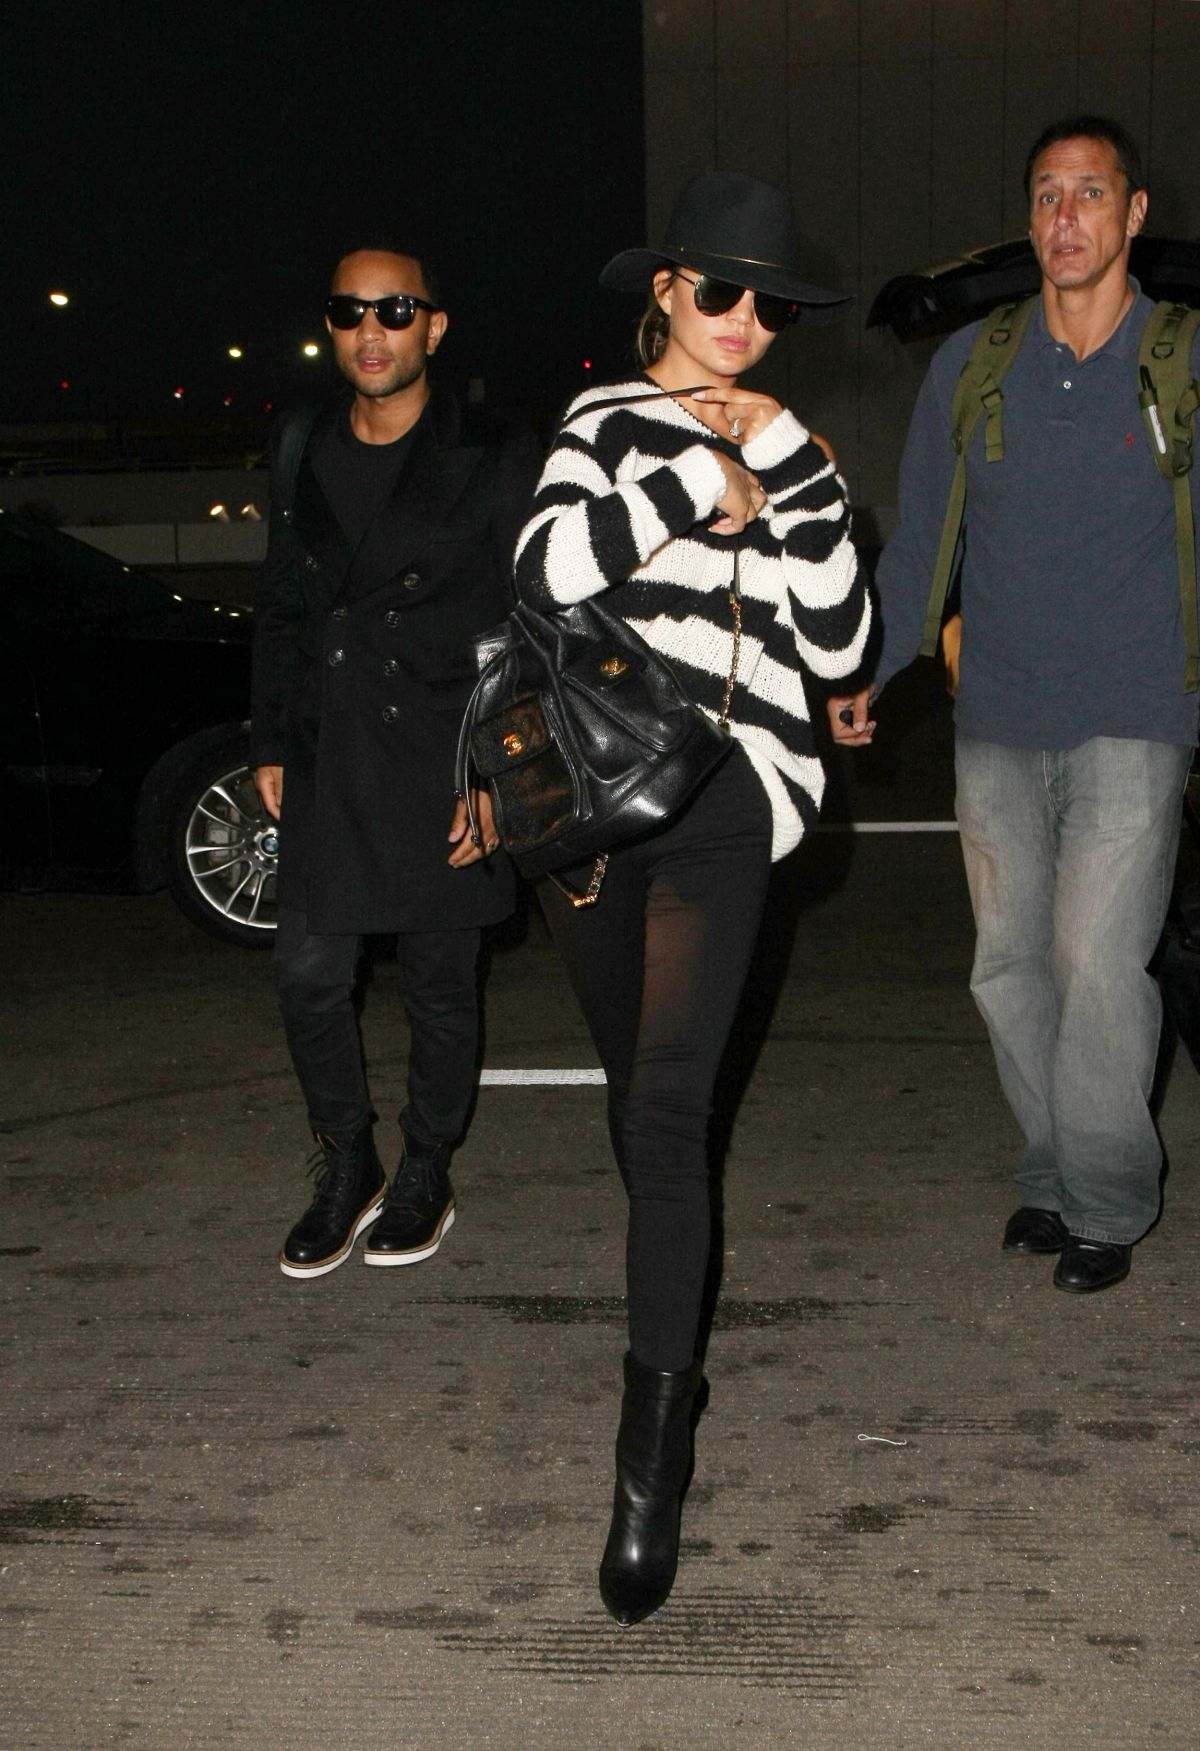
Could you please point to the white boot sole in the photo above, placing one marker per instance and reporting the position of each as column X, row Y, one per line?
column 324, row 1266
column 419, row 1253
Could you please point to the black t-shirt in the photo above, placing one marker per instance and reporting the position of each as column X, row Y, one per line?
column 355, row 477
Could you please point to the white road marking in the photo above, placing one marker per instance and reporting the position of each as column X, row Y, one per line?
column 887, row 827
column 508, row 1078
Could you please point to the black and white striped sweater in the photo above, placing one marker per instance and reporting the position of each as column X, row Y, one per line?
column 624, row 504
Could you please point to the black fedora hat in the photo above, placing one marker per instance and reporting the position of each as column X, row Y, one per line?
column 734, row 228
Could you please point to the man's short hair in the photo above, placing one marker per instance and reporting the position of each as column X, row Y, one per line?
column 1091, row 128
column 387, row 247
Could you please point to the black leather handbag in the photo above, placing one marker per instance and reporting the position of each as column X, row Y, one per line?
column 583, row 736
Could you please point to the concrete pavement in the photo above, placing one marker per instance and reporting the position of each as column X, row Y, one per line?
column 936, row 1503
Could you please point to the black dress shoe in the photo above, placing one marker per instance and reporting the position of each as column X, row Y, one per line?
column 418, row 1211
column 1088, row 1265
column 350, row 1184
column 1031, row 1230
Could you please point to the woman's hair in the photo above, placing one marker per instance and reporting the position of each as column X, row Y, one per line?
column 654, row 329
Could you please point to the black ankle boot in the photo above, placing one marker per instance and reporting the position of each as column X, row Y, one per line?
column 654, row 1455
column 350, row 1185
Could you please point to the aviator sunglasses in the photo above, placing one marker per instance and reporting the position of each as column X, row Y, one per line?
column 395, row 311
column 715, row 297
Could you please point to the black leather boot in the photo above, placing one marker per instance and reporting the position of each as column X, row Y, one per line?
column 350, row 1185
column 418, row 1212
column 654, row 1455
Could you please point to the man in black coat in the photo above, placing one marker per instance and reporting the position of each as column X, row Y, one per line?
column 390, row 551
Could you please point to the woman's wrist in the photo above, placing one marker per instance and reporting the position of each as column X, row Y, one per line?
column 782, row 438
column 702, row 476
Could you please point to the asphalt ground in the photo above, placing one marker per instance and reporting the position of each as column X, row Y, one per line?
column 935, row 1501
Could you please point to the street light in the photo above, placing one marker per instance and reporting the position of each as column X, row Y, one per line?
column 235, row 352
column 310, row 349
column 60, row 300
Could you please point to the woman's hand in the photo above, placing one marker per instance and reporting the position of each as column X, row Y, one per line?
column 742, row 499
column 745, row 413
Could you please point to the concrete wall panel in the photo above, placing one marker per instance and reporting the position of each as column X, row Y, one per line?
column 900, row 128
column 892, row 29
column 1175, row 144
column 1118, row 88
column 966, row 140
column 1176, row 28
column 1108, row 30
column 968, row 27
column 895, row 199
column 820, row 31
column 677, row 34
column 1037, row 92
column 752, row 55
column 1041, row 30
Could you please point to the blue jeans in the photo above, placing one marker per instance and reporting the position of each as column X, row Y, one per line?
column 1070, row 855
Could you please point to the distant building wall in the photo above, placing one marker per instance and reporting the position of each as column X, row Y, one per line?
column 182, row 495
column 900, row 128
column 164, row 545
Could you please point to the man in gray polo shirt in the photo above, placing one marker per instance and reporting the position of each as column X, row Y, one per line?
column 1074, row 731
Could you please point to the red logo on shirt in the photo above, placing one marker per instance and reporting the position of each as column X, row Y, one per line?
column 1129, row 440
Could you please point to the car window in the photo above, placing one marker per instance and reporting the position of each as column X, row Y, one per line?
column 48, row 582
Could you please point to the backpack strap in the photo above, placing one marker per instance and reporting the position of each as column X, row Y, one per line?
column 294, row 435
column 1168, row 397
column 978, row 392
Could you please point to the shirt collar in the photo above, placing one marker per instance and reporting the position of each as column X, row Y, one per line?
column 1121, row 341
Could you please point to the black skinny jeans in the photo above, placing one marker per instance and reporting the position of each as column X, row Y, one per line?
column 440, row 987
column 658, row 965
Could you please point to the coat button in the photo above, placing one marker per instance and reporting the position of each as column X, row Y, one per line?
column 391, row 667
column 411, row 581
column 392, row 617
column 390, row 713
column 336, row 657
column 339, row 613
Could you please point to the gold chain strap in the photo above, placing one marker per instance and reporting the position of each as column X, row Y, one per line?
column 591, row 893
column 735, row 602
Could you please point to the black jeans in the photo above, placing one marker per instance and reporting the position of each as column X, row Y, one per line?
column 658, row 965
column 440, row 987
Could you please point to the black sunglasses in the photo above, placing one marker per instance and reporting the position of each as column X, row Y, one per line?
column 395, row 311
column 715, row 297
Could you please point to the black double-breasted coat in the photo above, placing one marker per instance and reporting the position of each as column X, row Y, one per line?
column 362, row 668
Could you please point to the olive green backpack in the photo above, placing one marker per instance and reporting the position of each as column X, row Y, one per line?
column 1168, row 397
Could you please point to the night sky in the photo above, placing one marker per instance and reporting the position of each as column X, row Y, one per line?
column 189, row 173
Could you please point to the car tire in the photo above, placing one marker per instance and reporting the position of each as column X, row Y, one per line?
column 223, row 847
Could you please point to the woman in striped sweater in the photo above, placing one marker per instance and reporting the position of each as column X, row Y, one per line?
column 650, row 489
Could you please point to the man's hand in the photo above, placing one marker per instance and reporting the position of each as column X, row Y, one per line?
column 466, row 850
column 742, row 499
column 860, row 729
column 268, row 782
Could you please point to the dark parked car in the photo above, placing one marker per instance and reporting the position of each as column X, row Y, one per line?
column 123, row 737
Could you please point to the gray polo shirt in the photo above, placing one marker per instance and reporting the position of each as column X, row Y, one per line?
column 1070, row 581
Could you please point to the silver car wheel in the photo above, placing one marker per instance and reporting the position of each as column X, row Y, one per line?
column 232, row 848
